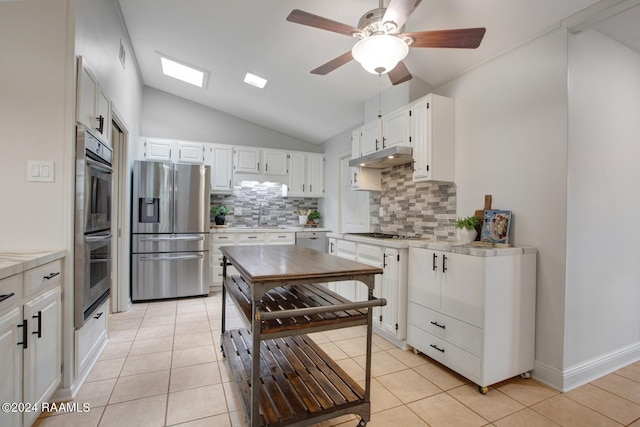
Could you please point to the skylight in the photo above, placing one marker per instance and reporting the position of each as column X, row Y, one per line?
column 182, row 72
column 254, row 80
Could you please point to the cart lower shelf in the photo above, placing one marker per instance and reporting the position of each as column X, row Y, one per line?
column 299, row 382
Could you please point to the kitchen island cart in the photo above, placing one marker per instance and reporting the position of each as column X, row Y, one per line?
column 280, row 295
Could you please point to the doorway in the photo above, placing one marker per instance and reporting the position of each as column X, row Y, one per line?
column 120, row 299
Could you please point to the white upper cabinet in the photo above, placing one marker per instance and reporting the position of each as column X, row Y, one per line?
column 432, row 132
column 220, row 158
column 297, row 169
column 315, row 175
column 363, row 178
column 190, row 152
column 247, row 160
column 93, row 108
column 159, row 149
column 370, row 138
column 396, row 128
column 275, row 162
column 306, row 175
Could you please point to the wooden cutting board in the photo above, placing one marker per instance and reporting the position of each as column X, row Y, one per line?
column 487, row 206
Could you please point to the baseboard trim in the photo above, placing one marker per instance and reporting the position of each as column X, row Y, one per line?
column 584, row 373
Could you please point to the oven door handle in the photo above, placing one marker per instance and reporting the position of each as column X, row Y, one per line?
column 100, row 238
column 97, row 165
column 171, row 239
column 170, row 258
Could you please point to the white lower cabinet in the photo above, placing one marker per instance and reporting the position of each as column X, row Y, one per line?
column 11, row 362
column 474, row 314
column 389, row 320
column 91, row 338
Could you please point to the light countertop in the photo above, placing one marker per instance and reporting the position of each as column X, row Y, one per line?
column 16, row 262
column 285, row 228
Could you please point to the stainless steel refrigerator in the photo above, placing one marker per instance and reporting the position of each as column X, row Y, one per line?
column 170, row 230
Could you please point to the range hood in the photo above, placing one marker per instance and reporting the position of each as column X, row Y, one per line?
column 392, row 156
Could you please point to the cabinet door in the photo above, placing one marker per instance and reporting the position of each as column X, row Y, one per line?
column 11, row 362
column 425, row 277
column 396, row 128
column 315, row 175
column 355, row 144
column 86, row 95
column 42, row 357
column 275, row 162
column 190, row 152
column 389, row 291
column 155, row 149
column 462, row 287
column 297, row 173
column 420, row 138
column 432, row 136
column 247, row 160
column 103, row 117
column 221, row 162
column 370, row 138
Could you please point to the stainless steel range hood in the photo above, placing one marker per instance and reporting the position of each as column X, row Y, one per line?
column 392, row 156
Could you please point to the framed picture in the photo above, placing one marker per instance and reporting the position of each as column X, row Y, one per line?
column 495, row 227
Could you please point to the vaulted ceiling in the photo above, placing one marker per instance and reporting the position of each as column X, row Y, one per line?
column 229, row 37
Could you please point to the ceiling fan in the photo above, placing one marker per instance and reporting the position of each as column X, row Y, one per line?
column 383, row 44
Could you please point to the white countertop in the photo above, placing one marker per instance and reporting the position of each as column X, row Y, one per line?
column 285, row 228
column 445, row 246
column 16, row 262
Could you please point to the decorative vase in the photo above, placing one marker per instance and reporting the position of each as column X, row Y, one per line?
column 302, row 219
column 220, row 219
column 466, row 236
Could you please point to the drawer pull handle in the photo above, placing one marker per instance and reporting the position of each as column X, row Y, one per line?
column 435, row 259
column 39, row 331
column 252, row 237
column 6, row 296
column 444, row 263
column 99, row 315
column 441, row 350
column 438, row 325
column 51, row 275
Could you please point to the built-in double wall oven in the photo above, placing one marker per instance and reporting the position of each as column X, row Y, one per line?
column 92, row 225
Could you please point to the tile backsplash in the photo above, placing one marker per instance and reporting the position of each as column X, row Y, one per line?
column 250, row 197
column 421, row 209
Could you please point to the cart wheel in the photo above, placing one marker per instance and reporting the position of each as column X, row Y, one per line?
column 362, row 423
column 416, row 351
column 483, row 390
column 525, row 375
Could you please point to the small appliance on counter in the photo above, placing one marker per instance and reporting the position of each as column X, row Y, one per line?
column 170, row 230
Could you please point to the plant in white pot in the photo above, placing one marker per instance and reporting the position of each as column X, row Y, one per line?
column 466, row 228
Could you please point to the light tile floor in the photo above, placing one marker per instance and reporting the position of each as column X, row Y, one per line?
column 163, row 367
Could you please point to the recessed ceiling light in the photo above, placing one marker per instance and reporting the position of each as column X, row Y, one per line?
column 254, row 80
column 186, row 73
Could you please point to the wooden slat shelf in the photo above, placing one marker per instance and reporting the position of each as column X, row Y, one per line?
column 298, row 381
column 285, row 298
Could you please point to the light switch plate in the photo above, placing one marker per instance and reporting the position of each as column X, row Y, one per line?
column 40, row 171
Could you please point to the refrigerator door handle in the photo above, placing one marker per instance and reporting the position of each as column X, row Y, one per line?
column 170, row 258
column 171, row 238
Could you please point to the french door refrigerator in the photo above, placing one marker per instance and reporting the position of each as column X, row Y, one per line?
column 170, row 230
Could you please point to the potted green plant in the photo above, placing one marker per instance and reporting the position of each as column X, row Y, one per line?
column 467, row 228
column 314, row 216
column 219, row 213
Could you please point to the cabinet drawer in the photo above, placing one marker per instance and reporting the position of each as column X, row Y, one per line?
column 281, row 239
column 10, row 290
column 91, row 337
column 461, row 361
column 42, row 276
column 222, row 239
column 251, row 238
column 346, row 249
column 216, row 273
column 462, row 334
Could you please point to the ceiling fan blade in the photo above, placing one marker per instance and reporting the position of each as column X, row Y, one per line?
column 305, row 18
column 333, row 64
column 399, row 11
column 463, row 38
column 399, row 74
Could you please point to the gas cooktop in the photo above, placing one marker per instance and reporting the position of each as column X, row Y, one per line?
column 382, row 235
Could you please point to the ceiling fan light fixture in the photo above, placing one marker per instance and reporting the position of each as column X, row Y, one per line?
column 379, row 54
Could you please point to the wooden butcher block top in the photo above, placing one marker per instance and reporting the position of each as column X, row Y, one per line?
column 271, row 264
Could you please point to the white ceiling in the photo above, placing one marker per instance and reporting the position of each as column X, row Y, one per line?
column 230, row 37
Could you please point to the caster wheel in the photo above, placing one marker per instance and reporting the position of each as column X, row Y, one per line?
column 483, row 390
column 415, row 351
column 525, row 375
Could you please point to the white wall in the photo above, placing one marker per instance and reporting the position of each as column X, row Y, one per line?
column 603, row 277
column 35, row 117
column 168, row 116
column 329, row 206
